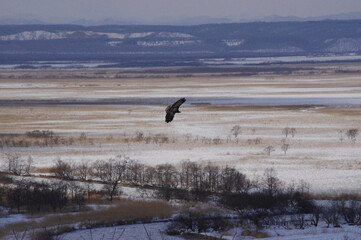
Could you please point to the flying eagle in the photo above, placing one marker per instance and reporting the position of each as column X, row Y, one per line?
column 171, row 110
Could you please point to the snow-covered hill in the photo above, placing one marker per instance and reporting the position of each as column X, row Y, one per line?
column 46, row 35
column 167, row 45
column 34, row 35
column 345, row 45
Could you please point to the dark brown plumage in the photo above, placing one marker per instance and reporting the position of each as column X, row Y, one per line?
column 171, row 110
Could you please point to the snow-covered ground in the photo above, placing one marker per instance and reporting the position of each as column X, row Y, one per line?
column 290, row 59
column 138, row 232
column 135, row 231
column 319, row 233
column 12, row 218
column 316, row 154
column 44, row 86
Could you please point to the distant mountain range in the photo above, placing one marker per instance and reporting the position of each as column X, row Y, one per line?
column 174, row 45
column 176, row 21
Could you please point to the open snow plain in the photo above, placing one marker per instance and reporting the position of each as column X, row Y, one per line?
column 132, row 121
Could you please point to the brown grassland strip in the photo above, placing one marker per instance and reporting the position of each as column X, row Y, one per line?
column 120, row 212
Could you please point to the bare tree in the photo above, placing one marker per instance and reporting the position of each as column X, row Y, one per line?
column 285, row 147
column 232, row 180
column 113, row 172
column 166, row 175
column 352, row 134
column 139, row 136
column 303, row 187
column 28, row 166
column 254, row 141
column 299, row 220
column 185, row 174
column 83, row 170
column 293, row 132
column 316, row 213
column 17, row 165
column 350, row 210
column 150, row 175
column 210, row 177
column 134, row 172
column 217, row 141
column 270, row 182
column 269, row 149
column 257, row 140
column 63, row 170
column 9, row 161
column 340, row 136
column 330, row 214
column 187, row 137
column 286, row 131
column 236, row 130
column 77, row 194
column 98, row 170
column 15, row 196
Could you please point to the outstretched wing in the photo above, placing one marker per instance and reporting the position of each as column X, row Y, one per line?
column 167, row 109
column 177, row 104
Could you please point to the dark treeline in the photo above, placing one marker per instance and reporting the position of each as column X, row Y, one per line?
column 334, row 213
column 188, row 176
column 262, row 202
column 257, row 201
column 191, row 181
column 43, row 138
column 43, row 197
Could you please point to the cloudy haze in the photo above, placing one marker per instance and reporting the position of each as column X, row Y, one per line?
column 161, row 11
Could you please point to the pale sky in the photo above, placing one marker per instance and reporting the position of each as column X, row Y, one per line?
column 151, row 10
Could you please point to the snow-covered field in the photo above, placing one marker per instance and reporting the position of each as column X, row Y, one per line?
column 288, row 59
column 319, row 153
column 201, row 133
column 137, row 231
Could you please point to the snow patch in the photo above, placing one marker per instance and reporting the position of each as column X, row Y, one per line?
column 45, row 35
column 174, row 35
column 345, row 45
column 233, row 42
column 288, row 59
column 35, row 35
column 166, row 43
column 114, row 43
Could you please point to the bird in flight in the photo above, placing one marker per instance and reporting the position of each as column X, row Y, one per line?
column 171, row 110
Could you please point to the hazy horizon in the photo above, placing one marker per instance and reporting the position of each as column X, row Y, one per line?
column 171, row 11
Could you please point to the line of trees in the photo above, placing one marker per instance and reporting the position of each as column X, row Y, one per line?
column 300, row 216
column 189, row 181
column 262, row 202
column 17, row 165
column 36, row 197
column 189, row 175
column 351, row 134
column 49, row 138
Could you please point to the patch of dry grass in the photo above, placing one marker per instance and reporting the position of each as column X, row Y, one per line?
column 337, row 196
column 43, row 170
column 120, row 212
column 254, row 234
